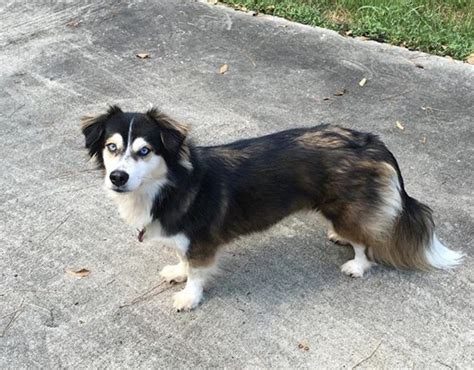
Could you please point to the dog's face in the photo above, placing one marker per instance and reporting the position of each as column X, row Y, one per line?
column 134, row 149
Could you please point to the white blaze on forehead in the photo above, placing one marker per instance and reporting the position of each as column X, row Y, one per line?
column 139, row 143
column 130, row 128
column 116, row 139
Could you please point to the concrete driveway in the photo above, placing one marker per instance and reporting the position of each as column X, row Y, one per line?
column 280, row 300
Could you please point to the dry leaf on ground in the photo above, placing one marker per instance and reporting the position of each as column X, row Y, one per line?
column 340, row 92
column 143, row 55
column 423, row 140
column 223, row 69
column 73, row 23
column 470, row 59
column 400, row 125
column 78, row 273
column 362, row 82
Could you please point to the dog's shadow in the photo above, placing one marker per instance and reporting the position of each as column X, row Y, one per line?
column 277, row 269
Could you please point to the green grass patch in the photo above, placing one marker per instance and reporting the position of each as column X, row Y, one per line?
column 441, row 27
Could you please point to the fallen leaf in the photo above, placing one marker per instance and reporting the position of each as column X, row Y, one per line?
column 79, row 273
column 143, row 55
column 348, row 33
column 362, row 38
column 340, row 92
column 470, row 59
column 362, row 82
column 303, row 346
column 223, row 69
column 73, row 23
column 423, row 140
column 399, row 125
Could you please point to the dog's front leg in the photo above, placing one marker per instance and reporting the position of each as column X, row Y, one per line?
column 152, row 231
column 176, row 273
column 199, row 272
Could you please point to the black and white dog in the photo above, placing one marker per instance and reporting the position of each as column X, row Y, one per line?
column 196, row 199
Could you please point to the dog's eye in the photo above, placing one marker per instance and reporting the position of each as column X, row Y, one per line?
column 111, row 147
column 143, row 152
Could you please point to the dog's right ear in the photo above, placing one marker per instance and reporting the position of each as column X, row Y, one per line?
column 93, row 128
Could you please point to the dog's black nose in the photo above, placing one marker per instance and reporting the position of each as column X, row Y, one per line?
column 118, row 178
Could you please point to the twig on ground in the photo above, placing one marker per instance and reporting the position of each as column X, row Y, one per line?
column 442, row 363
column 147, row 295
column 16, row 110
column 15, row 315
column 368, row 357
column 56, row 228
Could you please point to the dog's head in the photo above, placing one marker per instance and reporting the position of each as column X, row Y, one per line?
column 135, row 149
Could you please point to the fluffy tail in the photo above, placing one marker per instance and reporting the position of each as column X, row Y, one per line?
column 413, row 243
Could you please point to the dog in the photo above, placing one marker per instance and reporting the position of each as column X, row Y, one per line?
column 196, row 199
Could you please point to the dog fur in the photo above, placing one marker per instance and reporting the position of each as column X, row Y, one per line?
column 196, row 199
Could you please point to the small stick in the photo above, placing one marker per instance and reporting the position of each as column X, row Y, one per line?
column 368, row 357
column 442, row 363
column 15, row 315
column 56, row 228
column 147, row 295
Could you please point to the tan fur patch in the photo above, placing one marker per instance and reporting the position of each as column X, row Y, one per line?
column 334, row 138
column 86, row 121
column 168, row 122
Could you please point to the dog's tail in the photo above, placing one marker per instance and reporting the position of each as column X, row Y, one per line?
column 413, row 243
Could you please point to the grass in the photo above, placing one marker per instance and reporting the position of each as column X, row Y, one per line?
column 441, row 27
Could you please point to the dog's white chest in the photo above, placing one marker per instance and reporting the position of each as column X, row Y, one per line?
column 135, row 208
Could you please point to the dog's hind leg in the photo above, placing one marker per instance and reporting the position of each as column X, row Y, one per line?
column 360, row 264
column 336, row 238
column 176, row 273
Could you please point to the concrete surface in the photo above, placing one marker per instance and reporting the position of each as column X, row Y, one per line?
column 277, row 290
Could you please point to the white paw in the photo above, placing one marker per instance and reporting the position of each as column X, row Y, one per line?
column 187, row 299
column 174, row 273
column 356, row 268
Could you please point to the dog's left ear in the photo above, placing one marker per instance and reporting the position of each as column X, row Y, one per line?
column 93, row 128
column 173, row 133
